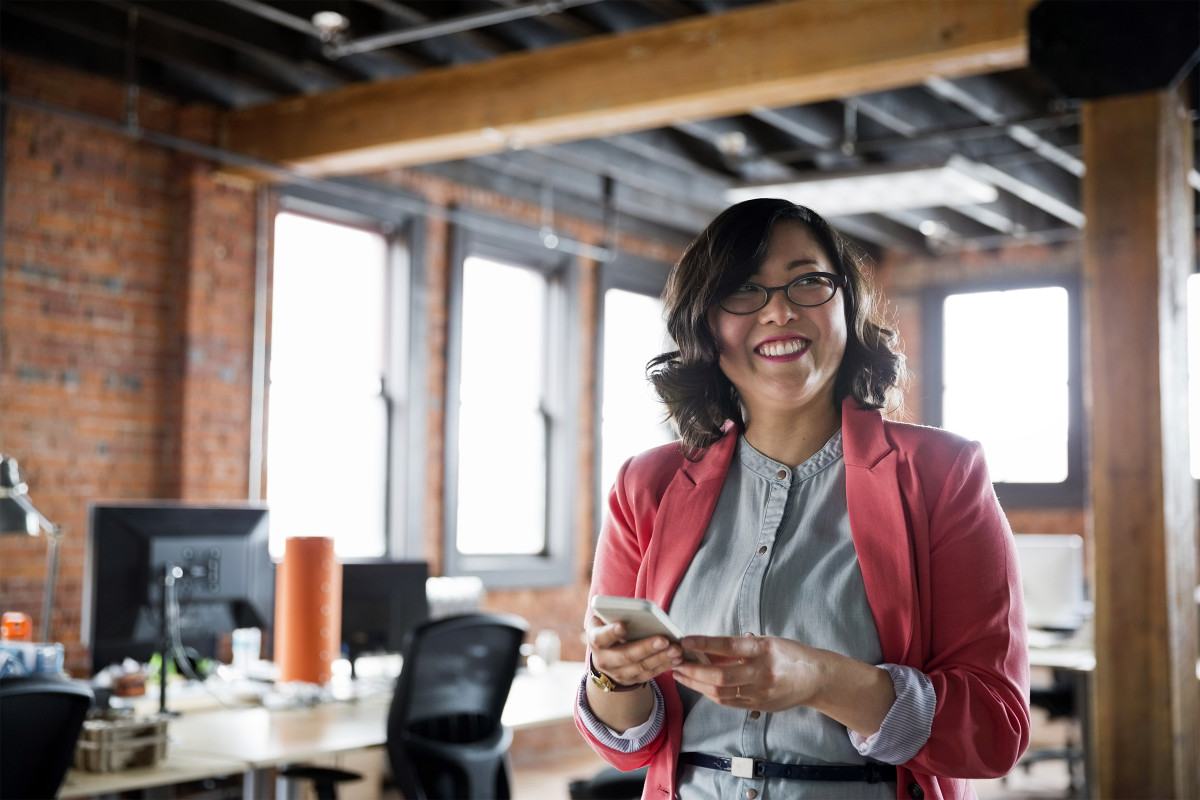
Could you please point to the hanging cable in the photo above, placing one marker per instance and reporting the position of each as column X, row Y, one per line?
column 350, row 189
column 132, row 90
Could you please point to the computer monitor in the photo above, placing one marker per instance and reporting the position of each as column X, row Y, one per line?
column 381, row 602
column 225, row 576
column 1053, row 580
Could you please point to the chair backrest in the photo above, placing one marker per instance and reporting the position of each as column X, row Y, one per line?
column 40, row 720
column 445, row 737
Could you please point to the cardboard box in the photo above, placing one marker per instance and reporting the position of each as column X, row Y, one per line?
column 112, row 745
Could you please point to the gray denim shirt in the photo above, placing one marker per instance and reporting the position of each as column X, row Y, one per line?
column 777, row 559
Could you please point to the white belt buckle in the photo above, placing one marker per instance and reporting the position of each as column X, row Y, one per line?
column 742, row 767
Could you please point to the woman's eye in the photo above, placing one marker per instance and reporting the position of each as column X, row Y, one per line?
column 746, row 288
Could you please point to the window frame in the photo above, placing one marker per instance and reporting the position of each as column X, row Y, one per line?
column 631, row 274
column 553, row 567
column 1071, row 492
column 406, row 368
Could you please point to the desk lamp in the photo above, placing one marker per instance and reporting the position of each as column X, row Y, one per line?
column 18, row 515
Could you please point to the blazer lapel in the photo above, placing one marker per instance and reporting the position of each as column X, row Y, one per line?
column 684, row 512
column 879, row 526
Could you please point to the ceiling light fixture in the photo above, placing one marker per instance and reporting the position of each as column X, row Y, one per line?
column 953, row 183
column 330, row 24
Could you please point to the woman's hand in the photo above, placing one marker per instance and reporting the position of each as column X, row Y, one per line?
column 629, row 663
column 766, row 673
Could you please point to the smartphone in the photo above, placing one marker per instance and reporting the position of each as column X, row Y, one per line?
column 642, row 618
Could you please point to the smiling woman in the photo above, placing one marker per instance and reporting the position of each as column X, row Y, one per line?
column 810, row 543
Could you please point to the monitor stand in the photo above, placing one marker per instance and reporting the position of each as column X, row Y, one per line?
column 171, row 573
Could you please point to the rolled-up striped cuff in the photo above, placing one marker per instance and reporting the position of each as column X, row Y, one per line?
column 906, row 728
column 631, row 740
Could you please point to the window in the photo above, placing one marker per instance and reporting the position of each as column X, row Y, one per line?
column 510, row 438
column 632, row 418
column 337, row 383
column 1005, row 371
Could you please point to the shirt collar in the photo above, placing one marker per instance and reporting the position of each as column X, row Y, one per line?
column 769, row 468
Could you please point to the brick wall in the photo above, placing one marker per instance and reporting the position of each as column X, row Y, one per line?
column 126, row 324
column 91, row 345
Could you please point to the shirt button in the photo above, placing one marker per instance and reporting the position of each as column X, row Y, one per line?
column 751, row 793
column 762, row 551
column 781, row 474
column 915, row 791
column 755, row 714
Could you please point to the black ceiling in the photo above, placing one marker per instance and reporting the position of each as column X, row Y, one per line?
column 235, row 53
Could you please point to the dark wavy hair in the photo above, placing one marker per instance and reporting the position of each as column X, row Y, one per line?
column 698, row 396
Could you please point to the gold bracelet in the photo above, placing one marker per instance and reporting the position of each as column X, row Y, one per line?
column 607, row 684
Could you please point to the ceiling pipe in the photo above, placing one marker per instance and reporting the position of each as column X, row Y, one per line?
column 340, row 49
column 467, row 22
column 273, row 14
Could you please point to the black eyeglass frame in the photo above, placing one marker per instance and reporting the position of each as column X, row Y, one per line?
column 838, row 281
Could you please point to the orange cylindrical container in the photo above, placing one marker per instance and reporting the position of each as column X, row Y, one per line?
column 308, row 610
column 15, row 626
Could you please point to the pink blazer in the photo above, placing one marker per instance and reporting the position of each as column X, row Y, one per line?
column 941, row 576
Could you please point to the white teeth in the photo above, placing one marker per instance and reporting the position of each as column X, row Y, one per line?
column 782, row 348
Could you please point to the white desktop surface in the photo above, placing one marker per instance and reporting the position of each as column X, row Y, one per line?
column 1080, row 658
column 261, row 737
column 1077, row 657
column 172, row 769
column 228, row 741
column 543, row 697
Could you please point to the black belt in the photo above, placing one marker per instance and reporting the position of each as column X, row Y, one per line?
column 753, row 768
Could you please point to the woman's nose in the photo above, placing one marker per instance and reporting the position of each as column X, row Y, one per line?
column 779, row 309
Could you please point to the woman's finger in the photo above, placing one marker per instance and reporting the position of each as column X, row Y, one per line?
column 726, row 647
column 602, row 634
column 726, row 694
column 631, row 662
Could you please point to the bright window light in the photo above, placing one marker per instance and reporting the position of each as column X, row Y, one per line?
column 502, row 429
column 327, row 417
column 1005, row 376
column 632, row 416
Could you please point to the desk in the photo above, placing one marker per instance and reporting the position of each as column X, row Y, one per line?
column 249, row 740
column 1078, row 659
column 173, row 769
column 1073, row 657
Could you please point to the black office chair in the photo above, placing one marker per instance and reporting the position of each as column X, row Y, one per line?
column 1059, row 700
column 610, row 783
column 445, row 738
column 40, row 720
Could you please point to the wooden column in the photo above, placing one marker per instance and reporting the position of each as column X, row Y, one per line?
column 1138, row 252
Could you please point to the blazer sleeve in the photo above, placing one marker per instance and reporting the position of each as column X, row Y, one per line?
column 978, row 659
column 618, row 560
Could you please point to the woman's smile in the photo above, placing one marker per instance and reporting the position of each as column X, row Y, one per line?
column 783, row 348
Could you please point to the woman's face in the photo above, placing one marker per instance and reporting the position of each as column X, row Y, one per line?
column 784, row 357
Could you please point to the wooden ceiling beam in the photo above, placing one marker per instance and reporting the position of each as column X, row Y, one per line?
column 769, row 55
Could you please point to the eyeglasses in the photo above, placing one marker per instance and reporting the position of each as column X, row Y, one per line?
column 808, row 290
